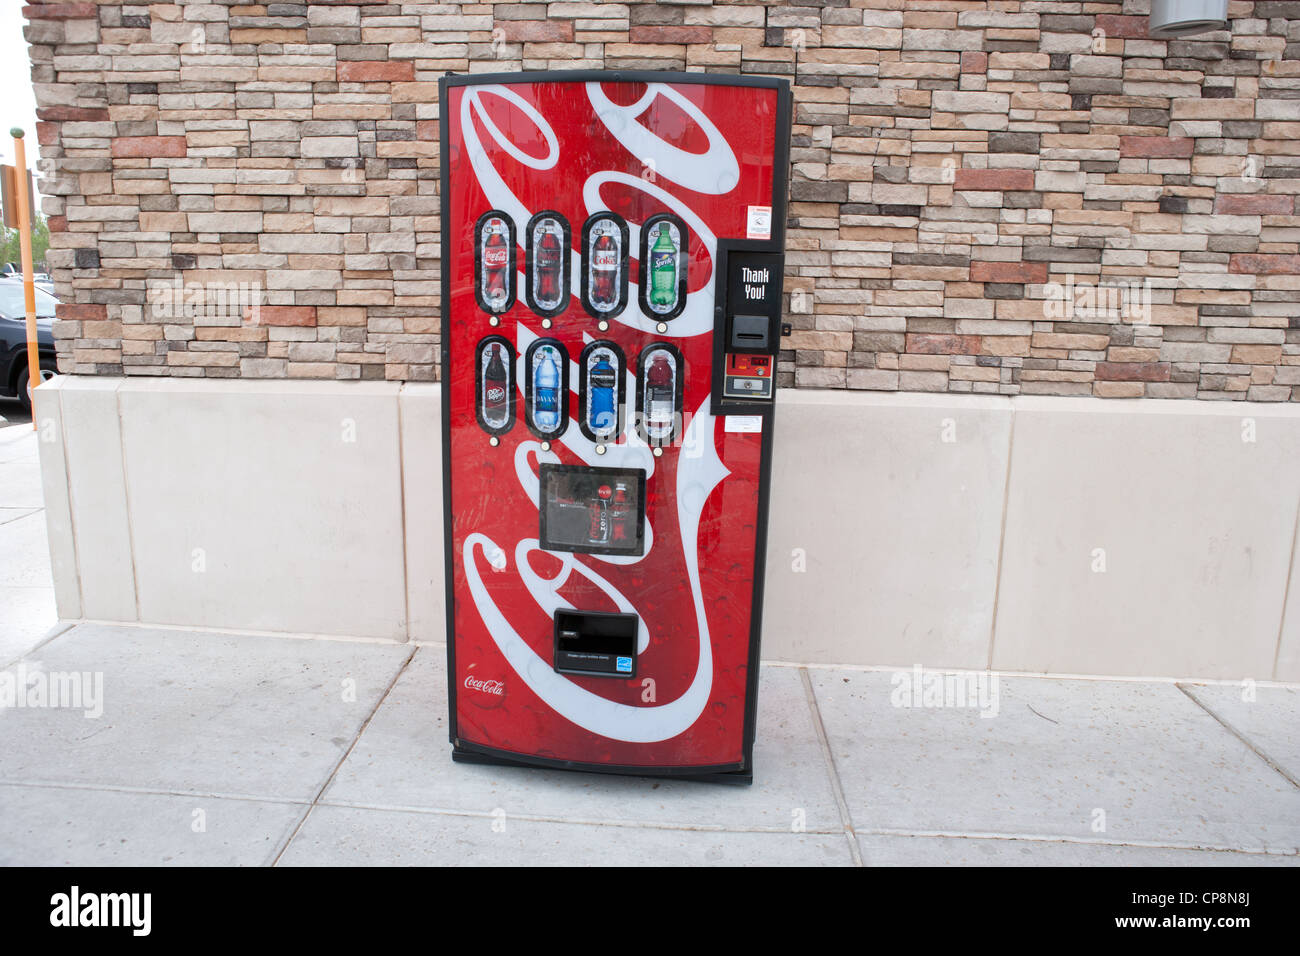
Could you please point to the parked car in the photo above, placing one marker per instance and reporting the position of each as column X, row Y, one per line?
column 42, row 280
column 13, row 339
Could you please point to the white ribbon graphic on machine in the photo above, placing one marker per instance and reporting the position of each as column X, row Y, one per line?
column 697, row 476
column 714, row 171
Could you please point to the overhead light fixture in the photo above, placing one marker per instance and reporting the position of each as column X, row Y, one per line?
column 1180, row 18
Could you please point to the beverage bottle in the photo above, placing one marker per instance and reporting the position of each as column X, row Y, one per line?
column 496, row 405
column 604, row 272
column 598, row 512
column 548, row 270
column 619, row 511
column 602, row 412
column 663, row 270
column 546, row 393
column 659, row 391
column 496, row 259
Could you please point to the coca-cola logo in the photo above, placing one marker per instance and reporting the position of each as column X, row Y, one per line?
column 495, row 257
column 495, row 687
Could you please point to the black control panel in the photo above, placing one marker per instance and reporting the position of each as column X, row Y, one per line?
column 747, row 326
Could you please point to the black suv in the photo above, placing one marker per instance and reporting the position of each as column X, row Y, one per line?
column 13, row 338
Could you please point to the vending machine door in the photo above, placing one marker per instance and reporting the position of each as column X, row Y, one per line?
column 605, row 478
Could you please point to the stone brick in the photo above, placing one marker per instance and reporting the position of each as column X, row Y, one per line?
column 1265, row 264
column 670, row 34
column 1114, row 25
column 535, row 31
column 1213, row 108
column 1242, row 204
column 1133, row 371
column 1162, row 147
column 80, row 311
column 60, row 11
column 149, row 146
column 376, row 71
column 981, row 271
column 934, row 344
column 993, row 179
column 282, row 315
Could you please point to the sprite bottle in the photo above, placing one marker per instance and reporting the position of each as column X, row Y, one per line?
column 663, row 271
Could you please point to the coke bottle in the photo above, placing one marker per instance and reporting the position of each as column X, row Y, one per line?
column 659, row 391
column 603, row 383
column 496, row 394
column 663, row 270
column 496, row 258
column 604, row 272
column 619, row 511
column 546, row 393
column 598, row 512
column 548, row 270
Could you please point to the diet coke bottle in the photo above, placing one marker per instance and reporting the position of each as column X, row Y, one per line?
column 604, row 272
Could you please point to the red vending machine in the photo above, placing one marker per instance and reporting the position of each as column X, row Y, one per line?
column 612, row 252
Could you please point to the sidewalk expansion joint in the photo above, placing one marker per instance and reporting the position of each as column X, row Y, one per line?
column 1083, row 841
column 1262, row 755
column 154, row 791
column 832, row 771
column 343, row 758
column 579, row 821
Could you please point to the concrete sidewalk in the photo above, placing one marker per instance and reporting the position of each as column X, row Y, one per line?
column 243, row 749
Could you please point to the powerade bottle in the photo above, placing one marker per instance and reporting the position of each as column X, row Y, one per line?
column 546, row 393
column 602, row 411
column 663, row 270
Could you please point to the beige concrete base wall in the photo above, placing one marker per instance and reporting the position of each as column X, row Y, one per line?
column 1022, row 534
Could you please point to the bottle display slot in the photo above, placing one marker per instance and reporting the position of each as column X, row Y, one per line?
column 546, row 389
column 604, row 265
column 663, row 266
column 495, row 385
column 547, row 264
column 602, row 370
column 494, row 262
column 592, row 510
column 659, row 393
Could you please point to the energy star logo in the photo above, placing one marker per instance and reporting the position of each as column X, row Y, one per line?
column 74, row 909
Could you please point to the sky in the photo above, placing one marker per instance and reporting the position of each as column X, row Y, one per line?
column 18, row 104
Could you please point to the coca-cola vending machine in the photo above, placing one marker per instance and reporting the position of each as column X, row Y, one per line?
column 612, row 261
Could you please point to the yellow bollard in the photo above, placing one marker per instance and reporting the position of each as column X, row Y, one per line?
column 29, row 283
